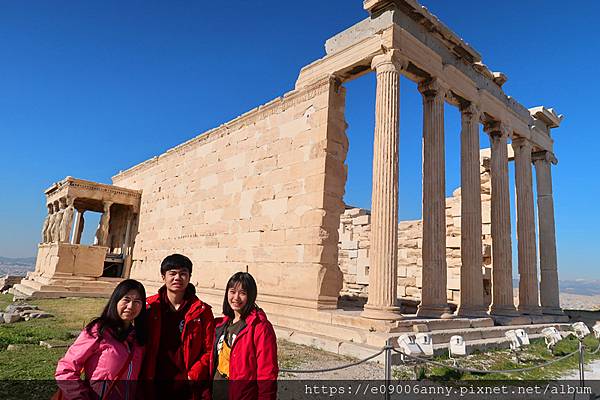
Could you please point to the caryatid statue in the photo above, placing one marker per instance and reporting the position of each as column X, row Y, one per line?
column 52, row 223
column 47, row 221
column 59, row 205
column 102, row 231
column 67, row 222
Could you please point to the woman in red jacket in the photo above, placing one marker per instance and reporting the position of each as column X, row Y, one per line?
column 244, row 357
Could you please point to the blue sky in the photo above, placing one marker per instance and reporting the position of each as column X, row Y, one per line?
column 91, row 88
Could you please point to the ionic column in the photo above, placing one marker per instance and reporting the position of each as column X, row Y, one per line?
column 78, row 229
column 526, row 243
column 434, row 303
column 382, row 301
column 549, row 292
column 502, row 290
column 471, row 276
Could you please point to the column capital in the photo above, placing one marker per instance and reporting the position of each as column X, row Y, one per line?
column 544, row 155
column 471, row 110
column 392, row 60
column 106, row 204
column 497, row 129
column 521, row 145
column 432, row 88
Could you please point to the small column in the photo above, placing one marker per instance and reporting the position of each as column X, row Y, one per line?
column 434, row 303
column 549, row 291
column 382, row 301
column 471, row 276
column 502, row 290
column 78, row 229
column 526, row 243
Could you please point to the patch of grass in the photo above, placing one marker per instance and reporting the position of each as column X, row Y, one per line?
column 32, row 361
column 5, row 299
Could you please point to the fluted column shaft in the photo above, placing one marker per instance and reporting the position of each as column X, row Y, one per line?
column 434, row 279
column 526, row 243
column 502, row 290
column 471, row 276
column 549, row 290
column 382, row 301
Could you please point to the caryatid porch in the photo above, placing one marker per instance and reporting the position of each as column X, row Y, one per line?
column 392, row 43
column 63, row 264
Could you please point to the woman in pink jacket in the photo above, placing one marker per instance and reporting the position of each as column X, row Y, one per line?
column 109, row 350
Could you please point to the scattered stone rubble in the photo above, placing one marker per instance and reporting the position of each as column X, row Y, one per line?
column 9, row 281
column 22, row 312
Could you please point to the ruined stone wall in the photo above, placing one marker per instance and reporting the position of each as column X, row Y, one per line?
column 354, row 248
column 261, row 193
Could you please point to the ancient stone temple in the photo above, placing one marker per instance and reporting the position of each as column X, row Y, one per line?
column 64, row 266
column 264, row 193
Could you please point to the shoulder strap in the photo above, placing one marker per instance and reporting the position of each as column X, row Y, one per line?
column 121, row 372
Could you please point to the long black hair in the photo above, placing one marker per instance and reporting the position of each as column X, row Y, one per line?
column 110, row 316
column 247, row 282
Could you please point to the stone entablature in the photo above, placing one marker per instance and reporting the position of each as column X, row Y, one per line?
column 92, row 194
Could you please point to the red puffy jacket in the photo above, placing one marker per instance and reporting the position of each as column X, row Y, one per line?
column 197, row 337
column 253, row 365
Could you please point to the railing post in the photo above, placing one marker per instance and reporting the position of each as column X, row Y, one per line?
column 581, row 364
column 388, row 365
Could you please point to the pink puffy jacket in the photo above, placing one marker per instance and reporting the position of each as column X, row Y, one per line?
column 101, row 360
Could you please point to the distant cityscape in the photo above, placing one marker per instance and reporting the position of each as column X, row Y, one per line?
column 16, row 266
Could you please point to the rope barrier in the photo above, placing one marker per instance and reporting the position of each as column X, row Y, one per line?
column 314, row 371
column 595, row 351
column 436, row 363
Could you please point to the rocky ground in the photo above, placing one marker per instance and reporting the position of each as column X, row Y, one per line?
column 297, row 357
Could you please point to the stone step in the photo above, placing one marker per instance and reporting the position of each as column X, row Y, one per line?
column 24, row 291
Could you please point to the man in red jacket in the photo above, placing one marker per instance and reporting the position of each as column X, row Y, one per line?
column 181, row 333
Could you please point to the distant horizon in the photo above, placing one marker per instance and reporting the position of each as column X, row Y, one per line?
column 515, row 278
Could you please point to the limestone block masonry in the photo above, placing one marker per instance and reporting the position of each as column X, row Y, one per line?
column 261, row 193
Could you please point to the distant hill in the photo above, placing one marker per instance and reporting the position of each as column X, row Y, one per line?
column 17, row 261
column 581, row 286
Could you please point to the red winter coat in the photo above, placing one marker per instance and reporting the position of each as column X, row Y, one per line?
column 253, row 365
column 197, row 336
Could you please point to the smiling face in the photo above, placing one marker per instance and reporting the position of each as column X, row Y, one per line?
column 130, row 306
column 176, row 280
column 237, row 298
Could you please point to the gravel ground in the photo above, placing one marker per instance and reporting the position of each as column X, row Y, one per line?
column 297, row 357
column 592, row 371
